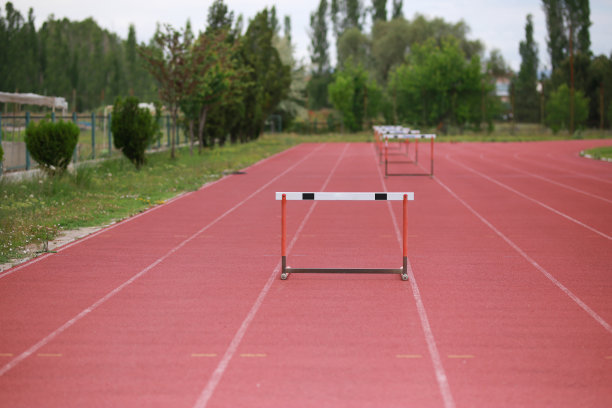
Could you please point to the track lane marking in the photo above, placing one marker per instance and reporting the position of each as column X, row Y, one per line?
column 214, row 380
column 256, row 355
column 461, row 356
column 514, row 246
column 525, row 196
column 443, row 385
column 518, row 156
column 408, row 356
column 49, row 355
column 6, row 354
column 33, row 349
column 204, row 355
column 547, row 179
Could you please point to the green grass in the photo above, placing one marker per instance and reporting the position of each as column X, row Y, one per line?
column 37, row 210
column 600, row 153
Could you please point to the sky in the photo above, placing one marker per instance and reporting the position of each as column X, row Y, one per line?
column 498, row 24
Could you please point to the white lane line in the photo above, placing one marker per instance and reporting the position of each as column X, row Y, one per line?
column 33, row 349
column 483, row 157
column 214, row 380
column 564, row 289
column 507, row 187
column 10, row 271
column 436, row 360
column 518, row 156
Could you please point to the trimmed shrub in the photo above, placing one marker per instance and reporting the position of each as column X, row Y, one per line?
column 52, row 144
column 134, row 129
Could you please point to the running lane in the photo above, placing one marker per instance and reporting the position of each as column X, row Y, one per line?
column 512, row 336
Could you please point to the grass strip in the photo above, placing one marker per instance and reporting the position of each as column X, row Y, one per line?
column 600, row 153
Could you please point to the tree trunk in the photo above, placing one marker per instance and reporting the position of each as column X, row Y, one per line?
column 201, row 128
column 191, row 138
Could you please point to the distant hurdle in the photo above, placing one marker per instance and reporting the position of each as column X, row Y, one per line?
column 382, row 134
column 337, row 196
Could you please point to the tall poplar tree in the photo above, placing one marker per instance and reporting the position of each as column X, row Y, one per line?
column 319, row 46
column 397, row 11
column 379, row 10
column 527, row 103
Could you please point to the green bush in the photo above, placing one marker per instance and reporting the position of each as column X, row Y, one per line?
column 134, row 129
column 558, row 109
column 1, row 153
column 52, row 144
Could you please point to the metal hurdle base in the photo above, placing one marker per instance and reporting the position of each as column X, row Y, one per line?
column 396, row 271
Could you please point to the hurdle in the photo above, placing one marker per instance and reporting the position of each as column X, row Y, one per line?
column 344, row 196
column 415, row 136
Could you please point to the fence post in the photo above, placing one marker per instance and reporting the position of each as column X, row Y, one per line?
column 93, row 135
column 52, row 117
column 110, row 135
column 27, row 122
column 74, row 154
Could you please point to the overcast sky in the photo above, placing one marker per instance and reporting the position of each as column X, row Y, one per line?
column 498, row 23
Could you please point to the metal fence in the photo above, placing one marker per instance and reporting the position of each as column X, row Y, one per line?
column 95, row 140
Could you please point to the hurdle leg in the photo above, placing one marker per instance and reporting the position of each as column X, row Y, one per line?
column 416, row 151
column 284, row 273
column 405, row 238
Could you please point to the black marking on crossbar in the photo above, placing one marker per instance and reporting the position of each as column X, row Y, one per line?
column 380, row 196
column 307, row 196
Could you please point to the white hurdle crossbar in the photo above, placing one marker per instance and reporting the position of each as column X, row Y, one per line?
column 343, row 196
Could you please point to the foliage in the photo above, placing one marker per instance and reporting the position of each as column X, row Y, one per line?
column 210, row 71
column 527, row 106
column 52, row 144
column 167, row 59
column 561, row 15
column 63, row 55
column 438, row 86
column 355, row 96
column 268, row 78
column 134, row 129
column 353, row 46
column 558, row 109
column 379, row 10
column 1, row 154
column 397, row 9
column 319, row 46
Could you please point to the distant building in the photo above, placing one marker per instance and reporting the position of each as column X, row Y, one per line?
column 502, row 88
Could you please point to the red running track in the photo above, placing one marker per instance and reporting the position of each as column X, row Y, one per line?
column 509, row 301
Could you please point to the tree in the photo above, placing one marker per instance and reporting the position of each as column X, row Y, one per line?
column 438, row 85
column 563, row 16
column 558, row 109
column 527, row 108
column 353, row 46
column 346, row 14
column 167, row 59
column 355, row 96
column 268, row 78
column 210, row 70
column 134, row 129
column 390, row 43
column 379, row 10
column 319, row 46
column 397, row 9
